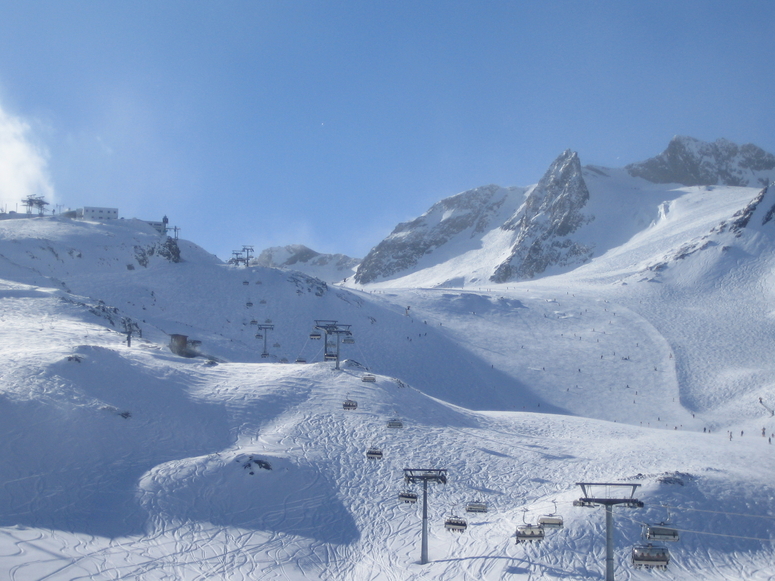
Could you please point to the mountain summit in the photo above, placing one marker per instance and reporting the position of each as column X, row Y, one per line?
column 495, row 235
column 691, row 162
column 551, row 212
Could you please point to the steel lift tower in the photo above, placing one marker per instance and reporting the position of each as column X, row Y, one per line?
column 264, row 328
column 334, row 329
column 590, row 499
column 425, row 475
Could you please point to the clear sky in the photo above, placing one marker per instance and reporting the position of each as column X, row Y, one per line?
column 326, row 123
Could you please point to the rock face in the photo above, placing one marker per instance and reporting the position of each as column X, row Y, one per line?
column 332, row 267
column 467, row 215
column 691, row 162
column 510, row 235
column 543, row 224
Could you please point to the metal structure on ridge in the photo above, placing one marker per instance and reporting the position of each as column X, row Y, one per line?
column 264, row 327
column 424, row 475
column 332, row 328
column 591, row 500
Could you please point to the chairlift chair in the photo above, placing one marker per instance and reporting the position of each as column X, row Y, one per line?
column 348, row 340
column 530, row 533
column 300, row 360
column 455, row 524
column 253, row 322
column 262, row 302
column 661, row 533
column 259, row 336
column 350, row 404
column 374, row 454
column 408, row 497
column 395, row 423
column 476, row 507
column 245, row 282
column 315, row 335
column 329, row 356
column 650, row 557
column 264, row 355
column 551, row 521
column 369, row 378
column 248, row 304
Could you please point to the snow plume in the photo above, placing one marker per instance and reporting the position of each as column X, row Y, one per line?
column 23, row 164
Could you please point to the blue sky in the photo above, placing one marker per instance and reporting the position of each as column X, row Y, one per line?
column 327, row 123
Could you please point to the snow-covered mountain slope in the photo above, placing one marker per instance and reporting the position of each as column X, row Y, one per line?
column 129, row 462
column 331, row 268
column 495, row 235
column 691, row 162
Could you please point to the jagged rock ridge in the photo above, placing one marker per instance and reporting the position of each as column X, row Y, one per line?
column 468, row 214
column 551, row 212
column 691, row 162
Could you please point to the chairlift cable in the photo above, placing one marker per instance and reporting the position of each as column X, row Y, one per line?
column 363, row 356
column 703, row 532
column 719, row 512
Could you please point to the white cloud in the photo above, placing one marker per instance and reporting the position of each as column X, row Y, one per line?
column 23, row 164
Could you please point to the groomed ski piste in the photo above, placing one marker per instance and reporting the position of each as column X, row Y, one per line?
column 651, row 365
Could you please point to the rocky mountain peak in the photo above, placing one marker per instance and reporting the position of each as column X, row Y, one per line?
column 691, row 162
column 551, row 212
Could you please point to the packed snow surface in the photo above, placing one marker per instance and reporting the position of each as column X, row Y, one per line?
column 651, row 364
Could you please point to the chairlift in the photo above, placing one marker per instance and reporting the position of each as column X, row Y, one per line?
column 329, row 356
column 369, row 378
column 276, row 345
column 264, row 355
column 408, row 497
column 650, row 557
column 315, row 335
column 253, row 322
column 661, row 533
column 476, row 507
column 455, row 524
column 262, row 302
column 374, row 454
column 551, row 521
column 248, row 304
column 530, row 533
column 300, row 360
column 245, row 282
column 350, row 404
column 348, row 340
column 259, row 336
column 395, row 423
